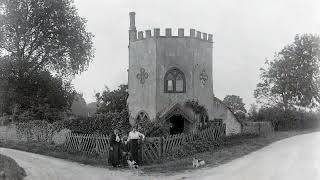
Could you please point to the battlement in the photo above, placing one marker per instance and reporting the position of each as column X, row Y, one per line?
column 142, row 35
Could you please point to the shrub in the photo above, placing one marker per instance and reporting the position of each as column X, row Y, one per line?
column 240, row 115
column 44, row 113
column 153, row 128
column 288, row 119
column 197, row 146
column 37, row 130
column 100, row 123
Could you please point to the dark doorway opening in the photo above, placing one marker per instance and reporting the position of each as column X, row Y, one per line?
column 177, row 124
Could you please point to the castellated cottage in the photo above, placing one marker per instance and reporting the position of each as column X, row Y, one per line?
column 167, row 71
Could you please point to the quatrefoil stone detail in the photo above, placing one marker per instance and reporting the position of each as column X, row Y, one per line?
column 142, row 75
column 203, row 77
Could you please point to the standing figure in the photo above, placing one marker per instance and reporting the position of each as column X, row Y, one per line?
column 114, row 153
column 125, row 151
column 133, row 137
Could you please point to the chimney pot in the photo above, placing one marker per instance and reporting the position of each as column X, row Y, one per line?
column 132, row 20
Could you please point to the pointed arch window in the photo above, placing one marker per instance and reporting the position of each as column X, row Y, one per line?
column 174, row 81
column 142, row 117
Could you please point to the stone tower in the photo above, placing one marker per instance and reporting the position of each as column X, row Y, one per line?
column 167, row 70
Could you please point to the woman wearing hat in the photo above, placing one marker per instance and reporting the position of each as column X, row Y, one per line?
column 114, row 153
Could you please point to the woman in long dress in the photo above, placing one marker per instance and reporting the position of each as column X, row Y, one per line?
column 114, row 152
column 133, row 137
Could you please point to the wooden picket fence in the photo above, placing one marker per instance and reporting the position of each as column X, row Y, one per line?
column 155, row 148
column 88, row 143
column 152, row 149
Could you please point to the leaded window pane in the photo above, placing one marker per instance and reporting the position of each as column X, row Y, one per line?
column 179, row 85
column 175, row 81
column 170, row 85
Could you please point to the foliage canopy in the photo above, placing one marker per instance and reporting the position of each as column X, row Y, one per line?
column 292, row 78
column 42, row 45
column 235, row 103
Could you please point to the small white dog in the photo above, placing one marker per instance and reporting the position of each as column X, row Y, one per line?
column 132, row 164
column 198, row 162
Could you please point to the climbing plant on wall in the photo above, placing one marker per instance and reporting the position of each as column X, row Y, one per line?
column 199, row 110
column 155, row 128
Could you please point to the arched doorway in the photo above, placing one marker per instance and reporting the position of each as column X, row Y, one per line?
column 177, row 123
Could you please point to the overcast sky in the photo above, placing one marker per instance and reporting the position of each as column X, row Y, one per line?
column 245, row 33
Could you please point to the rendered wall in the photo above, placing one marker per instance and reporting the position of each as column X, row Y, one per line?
column 191, row 56
column 142, row 54
column 220, row 111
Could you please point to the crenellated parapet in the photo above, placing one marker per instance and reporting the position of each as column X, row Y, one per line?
column 142, row 35
column 135, row 35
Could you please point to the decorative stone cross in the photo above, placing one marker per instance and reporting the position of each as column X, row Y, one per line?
column 142, row 76
column 203, row 77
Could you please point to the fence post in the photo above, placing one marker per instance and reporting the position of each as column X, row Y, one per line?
column 142, row 148
column 96, row 141
column 161, row 147
column 79, row 142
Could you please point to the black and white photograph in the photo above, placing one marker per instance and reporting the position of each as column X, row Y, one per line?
column 159, row 90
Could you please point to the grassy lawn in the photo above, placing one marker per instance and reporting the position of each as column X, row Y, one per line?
column 229, row 149
column 9, row 169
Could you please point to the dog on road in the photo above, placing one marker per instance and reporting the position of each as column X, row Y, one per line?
column 198, row 162
column 132, row 164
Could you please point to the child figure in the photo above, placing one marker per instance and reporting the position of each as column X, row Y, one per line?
column 125, row 151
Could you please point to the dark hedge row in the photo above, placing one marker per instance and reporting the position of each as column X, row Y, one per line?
column 288, row 119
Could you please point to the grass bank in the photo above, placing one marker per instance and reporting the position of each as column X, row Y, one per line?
column 9, row 169
column 57, row 152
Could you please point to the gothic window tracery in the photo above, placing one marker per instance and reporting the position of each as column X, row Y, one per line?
column 174, row 81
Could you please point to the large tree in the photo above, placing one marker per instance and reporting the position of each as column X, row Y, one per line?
column 44, row 35
column 235, row 103
column 114, row 104
column 112, row 101
column 292, row 78
column 40, row 38
column 79, row 106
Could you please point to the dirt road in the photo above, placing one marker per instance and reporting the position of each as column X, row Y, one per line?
column 290, row 159
column 295, row 158
column 39, row 167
